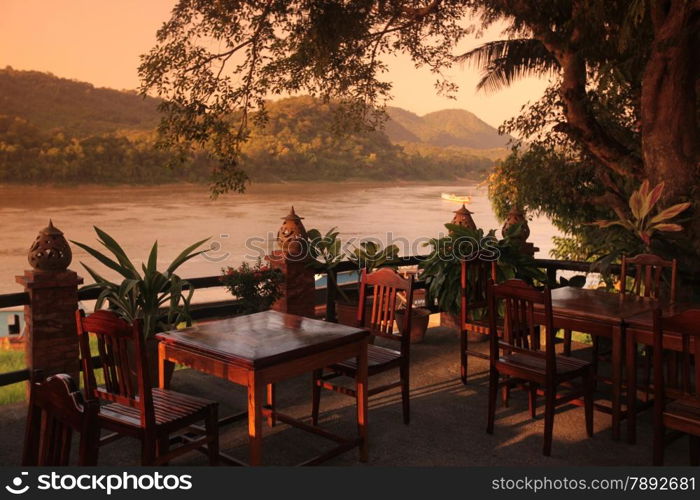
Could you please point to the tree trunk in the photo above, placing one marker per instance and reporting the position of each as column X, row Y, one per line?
column 668, row 105
column 670, row 147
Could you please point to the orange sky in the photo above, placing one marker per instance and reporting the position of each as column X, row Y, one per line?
column 99, row 41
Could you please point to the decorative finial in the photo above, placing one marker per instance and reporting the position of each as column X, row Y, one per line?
column 50, row 250
column 514, row 217
column 292, row 236
column 463, row 217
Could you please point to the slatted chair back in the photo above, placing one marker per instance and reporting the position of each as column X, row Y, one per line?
column 57, row 410
column 388, row 290
column 686, row 324
column 521, row 329
column 120, row 347
column 474, row 279
column 648, row 273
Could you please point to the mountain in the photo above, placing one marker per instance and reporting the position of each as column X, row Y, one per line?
column 58, row 130
column 445, row 128
column 77, row 108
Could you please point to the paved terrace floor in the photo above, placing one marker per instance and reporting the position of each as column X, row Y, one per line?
column 447, row 428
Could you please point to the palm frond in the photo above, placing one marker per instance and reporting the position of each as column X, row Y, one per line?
column 504, row 61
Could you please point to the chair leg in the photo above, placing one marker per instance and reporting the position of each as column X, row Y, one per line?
column 567, row 342
column 148, row 451
column 694, row 450
column 162, row 447
column 493, row 395
column 549, row 397
column 659, row 443
column 648, row 353
column 211, row 425
column 594, row 360
column 532, row 399
column 505, row 395
column 589, row 383
column 405, row 393
column 316, row 396
column 463, row 357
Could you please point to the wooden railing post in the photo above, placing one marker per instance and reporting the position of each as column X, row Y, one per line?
column 51, row 342
column 331, row 294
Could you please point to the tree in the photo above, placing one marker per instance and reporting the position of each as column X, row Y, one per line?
column 624, row 84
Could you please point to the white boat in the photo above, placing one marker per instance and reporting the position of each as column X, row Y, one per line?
column 455, row 198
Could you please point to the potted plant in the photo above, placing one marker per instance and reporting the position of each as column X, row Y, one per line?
column 257, row 287
column 442, row 268
column 325, row 252
column 160, row 299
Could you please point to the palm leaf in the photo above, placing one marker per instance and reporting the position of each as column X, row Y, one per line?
column 504, row 61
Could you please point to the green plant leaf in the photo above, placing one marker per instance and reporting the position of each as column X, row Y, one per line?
column 186, row 255
column 115, row 266
column 114, row 247
column 670, row 213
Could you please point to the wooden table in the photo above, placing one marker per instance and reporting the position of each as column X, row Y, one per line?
column 602, row 314
column 260, row 349
column 639, row 329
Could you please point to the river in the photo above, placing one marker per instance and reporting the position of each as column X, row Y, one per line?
column 178, row 215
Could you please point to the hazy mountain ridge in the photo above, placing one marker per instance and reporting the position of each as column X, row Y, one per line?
column 78, row 108
column 444, row 128
column 58, row 130
column 81, row 109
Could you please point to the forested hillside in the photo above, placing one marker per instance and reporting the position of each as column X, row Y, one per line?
column 58, row 130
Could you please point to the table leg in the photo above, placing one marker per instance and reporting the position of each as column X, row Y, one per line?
column 256, row 393
column 271, row 399
column 361, row 389
column 631, row 375
column 616, row 380
column 165, row 368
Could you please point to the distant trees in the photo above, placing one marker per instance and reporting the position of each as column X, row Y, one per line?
column 295, row 143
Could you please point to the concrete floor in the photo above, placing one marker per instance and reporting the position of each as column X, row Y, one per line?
column 447, row 426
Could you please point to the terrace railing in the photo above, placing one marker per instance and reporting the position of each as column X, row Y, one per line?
column 325, row 296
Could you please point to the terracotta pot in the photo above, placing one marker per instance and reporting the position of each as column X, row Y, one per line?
column 420, row 317
column 346, row 312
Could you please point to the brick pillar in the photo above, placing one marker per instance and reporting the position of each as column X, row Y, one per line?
column 51, row 343
column 299, row 286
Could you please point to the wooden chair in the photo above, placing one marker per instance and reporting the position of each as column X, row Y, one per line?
column 475, row 276
column 648, row 276
column 386, row 285
column 132, row 407
column 57, row 410
column 517, row 357
column 648, row 273
column 679, row 409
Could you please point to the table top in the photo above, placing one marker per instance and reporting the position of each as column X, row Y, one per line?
column 598, row 305
column 645, row 320
column 262, row 339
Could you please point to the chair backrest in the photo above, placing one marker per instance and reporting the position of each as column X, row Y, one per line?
column 388, row 290
column 57, row 410
column 687, row 325
column 525, row 309
column 474, row 279
column 120, row 347
column 648, row 276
